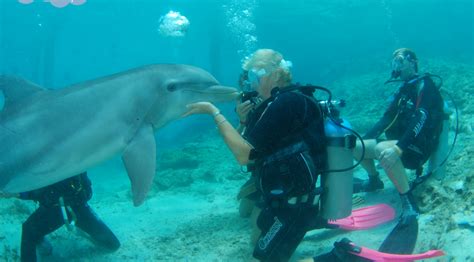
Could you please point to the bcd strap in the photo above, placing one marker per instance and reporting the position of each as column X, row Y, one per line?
column 348, row 141
column 420, row 178
column 285, row 152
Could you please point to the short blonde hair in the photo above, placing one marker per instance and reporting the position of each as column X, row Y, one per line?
column 271, row 61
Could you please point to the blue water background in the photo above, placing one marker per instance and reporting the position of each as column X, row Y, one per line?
column 325, row 40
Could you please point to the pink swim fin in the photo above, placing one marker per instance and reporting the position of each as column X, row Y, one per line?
column 365, row 217
column 386, row 257
column 362, row 254
column 377, row 256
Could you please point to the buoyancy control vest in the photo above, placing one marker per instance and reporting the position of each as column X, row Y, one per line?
column 290, row 167
column 407, row 101
column 322, row 147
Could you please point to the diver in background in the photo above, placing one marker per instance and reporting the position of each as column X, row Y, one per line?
column 283, row 141
column 62, row 203
column 412, row 125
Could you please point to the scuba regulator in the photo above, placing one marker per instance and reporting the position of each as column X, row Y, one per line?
column 249, row 95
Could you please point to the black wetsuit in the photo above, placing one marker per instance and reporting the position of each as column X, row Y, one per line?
column 75, row 192
column 285, row 132
column 414, row 119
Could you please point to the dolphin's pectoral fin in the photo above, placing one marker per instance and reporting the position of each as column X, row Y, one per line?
column 139, row 158
column 16, row 88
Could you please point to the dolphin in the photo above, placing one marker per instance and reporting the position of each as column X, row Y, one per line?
column 49, row 135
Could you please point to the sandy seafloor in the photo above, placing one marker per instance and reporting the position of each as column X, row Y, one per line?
column 192, row 213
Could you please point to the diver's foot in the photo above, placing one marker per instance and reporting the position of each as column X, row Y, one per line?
column 340, row 253
column 408, row 217
column 410, row 210
column 370, row 185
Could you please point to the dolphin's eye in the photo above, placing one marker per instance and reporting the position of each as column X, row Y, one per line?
column 172, row 87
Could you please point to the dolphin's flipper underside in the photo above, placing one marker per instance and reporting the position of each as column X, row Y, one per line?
column 139, row 159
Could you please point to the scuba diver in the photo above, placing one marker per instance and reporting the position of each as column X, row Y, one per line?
column 282, row 142
column 412, row 125
column 62, row 203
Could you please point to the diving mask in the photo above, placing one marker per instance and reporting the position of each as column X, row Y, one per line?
column 401, row 62
column 398, row 64
column 254, row 77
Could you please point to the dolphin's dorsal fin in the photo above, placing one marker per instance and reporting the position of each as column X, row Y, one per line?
column 16, row 88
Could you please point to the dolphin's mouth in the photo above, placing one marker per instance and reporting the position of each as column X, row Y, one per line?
column 223, row 92
column 216, row 89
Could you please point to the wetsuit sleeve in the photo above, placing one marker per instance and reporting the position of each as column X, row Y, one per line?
column 277, row 121
column 428, row 97
column 385, row 121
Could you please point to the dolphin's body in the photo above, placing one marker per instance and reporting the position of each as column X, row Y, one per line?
column 50, row 135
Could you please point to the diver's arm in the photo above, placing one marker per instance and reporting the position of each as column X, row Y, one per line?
column 383, row 123
column 378, row 128
column 236, row 143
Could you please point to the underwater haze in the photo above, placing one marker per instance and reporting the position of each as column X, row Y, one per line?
column 191, row 212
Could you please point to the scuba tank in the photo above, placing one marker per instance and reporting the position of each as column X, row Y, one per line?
column 336, row 200
column 437, row 157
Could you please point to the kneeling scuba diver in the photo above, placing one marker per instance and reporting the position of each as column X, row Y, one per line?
column 287, row 178
column 287, row 174
column 327, row 141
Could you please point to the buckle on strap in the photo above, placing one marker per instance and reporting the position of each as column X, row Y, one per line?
column 349, row 141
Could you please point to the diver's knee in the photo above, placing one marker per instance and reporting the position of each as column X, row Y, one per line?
column 246, row 207
column 113, row 245
column 357, row 152
column 108, row 241
column 379, row 148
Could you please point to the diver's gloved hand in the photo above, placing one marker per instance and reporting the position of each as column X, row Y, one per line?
column 390, row 156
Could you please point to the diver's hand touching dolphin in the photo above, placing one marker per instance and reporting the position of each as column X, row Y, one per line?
column 49, row 135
